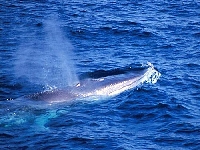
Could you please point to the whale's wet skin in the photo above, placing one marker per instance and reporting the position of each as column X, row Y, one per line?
column 100, row 87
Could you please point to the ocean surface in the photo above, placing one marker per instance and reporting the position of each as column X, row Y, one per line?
column 48, row 44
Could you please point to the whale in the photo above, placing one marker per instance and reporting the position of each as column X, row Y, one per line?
column 38, row 108
column 97, row 88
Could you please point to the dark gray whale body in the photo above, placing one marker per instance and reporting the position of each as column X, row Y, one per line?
column 100, row 87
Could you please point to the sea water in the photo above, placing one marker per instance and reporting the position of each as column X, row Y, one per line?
column 51, row 44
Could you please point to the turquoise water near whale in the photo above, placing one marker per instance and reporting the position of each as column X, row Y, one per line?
column 48, row 44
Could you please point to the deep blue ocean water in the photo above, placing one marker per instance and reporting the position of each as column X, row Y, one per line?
column 47, row 43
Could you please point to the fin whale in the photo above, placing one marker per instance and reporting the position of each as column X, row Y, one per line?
column 93, row 88
column 100, row 87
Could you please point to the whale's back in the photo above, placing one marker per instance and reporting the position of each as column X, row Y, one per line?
column 109, row 85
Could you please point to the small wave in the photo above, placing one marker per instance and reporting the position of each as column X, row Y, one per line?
column 6, row 135
column 129, row 22
column 79, row 139
column 128, row 31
